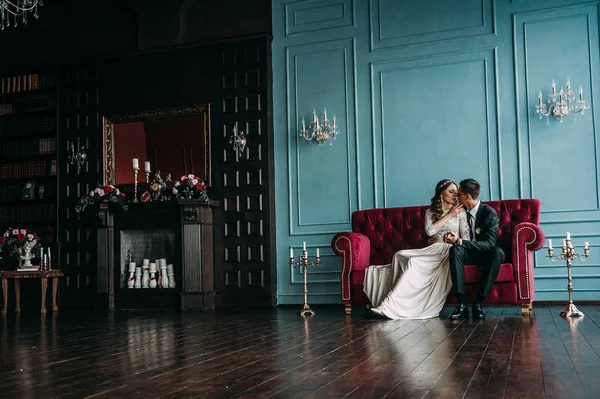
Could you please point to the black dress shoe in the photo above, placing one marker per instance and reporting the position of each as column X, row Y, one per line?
column 478, row 311
column 460, row 312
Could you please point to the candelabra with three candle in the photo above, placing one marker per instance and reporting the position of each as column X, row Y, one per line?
column 568, row 254
column 304, row 262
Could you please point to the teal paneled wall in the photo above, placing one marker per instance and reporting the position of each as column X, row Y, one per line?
column 429, row 90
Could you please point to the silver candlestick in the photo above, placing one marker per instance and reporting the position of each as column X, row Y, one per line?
column 568, row 254
column 304, row 262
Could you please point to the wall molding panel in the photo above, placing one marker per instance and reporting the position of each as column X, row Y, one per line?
column 390, row 79
column 316, row 206
column 542, row 145
column 318, row 15
column 394, row 23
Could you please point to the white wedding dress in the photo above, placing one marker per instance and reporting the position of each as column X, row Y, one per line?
column 415, row 285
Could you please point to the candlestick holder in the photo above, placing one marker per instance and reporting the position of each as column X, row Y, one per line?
column 135, row 184
column 147, row 176
column 568, row 254
column 304, row 262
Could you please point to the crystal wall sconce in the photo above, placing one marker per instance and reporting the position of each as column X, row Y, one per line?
column 238, row 141
column 561, row 103
column 77, row 158
column 322, row 131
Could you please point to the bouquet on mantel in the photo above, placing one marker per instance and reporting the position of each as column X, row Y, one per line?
column 108, row 193
column 15, row 240
column 190, row 186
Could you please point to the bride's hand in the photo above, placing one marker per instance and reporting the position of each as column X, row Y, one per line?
column 456, row 209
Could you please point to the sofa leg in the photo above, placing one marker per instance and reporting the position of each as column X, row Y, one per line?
column 526, row 309
column 348, row 308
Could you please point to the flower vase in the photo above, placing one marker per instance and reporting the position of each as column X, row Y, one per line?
column 26, row 257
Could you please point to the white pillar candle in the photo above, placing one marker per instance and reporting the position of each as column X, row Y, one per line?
column 147, row 166
column 564, row 243
column 131, row 267
column 136, row 163
column 291, row 252
column 304, row 246
column 549, row 244
column 318, row 252
column 568, row 236
column 586, row 245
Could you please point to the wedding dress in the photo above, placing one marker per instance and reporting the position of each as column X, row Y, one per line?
column 415, row 285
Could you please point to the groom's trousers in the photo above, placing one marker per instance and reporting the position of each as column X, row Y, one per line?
column 490, row 261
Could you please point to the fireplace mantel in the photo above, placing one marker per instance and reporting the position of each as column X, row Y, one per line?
column 181, row 230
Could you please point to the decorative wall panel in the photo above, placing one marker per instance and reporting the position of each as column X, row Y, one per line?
column 397, row 23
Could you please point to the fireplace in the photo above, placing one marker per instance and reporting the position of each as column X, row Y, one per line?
column 180, row 232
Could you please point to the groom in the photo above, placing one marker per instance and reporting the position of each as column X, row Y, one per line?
column 480, row 250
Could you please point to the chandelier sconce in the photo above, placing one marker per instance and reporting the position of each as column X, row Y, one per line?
column 77, row 158
column 321, row 131
column 238, row 141
column 561, row 103
column 12, row 9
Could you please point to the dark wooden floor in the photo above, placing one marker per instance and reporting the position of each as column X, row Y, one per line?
column 276, row 353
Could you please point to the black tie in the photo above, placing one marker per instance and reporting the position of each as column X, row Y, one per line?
column 470, row 220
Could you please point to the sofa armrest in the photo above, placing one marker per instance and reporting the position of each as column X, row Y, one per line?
column 527, row 237
column 355, row 250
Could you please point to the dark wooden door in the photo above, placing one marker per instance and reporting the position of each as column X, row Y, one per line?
column 79, row 126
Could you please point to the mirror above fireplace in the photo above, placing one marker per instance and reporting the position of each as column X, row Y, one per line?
column 174, row 141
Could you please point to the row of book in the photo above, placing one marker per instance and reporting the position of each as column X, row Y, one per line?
column 28, row 169
column 14, row 191
column 35, row 81
column 28, row 214
column 22, row 105
column 28, row 147
column 27, row 127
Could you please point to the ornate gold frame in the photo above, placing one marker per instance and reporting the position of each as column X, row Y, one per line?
column 108, row 123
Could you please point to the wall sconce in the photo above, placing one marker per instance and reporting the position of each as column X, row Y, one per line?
column 566, row 103
column 77, row 157
column 238, row 141
column 320, row 131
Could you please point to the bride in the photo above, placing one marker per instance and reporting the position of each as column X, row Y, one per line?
column 415, row 285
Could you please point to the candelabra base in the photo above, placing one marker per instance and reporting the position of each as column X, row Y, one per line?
column 571, row 311
column 306, row 311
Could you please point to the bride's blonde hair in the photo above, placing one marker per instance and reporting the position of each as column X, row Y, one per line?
column 436, row 200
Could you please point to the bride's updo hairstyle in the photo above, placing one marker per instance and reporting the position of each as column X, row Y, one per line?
column 436, row 200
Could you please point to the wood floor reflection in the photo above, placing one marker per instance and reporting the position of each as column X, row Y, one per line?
column 276, row 353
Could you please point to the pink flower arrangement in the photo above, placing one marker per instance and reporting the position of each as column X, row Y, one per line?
column 13, row 240
column 102, row 193
column 190, row 186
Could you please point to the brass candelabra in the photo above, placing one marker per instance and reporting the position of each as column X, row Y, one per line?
column 304, row 262
column 568, row 254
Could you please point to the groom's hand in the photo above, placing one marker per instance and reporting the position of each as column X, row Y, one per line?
column 450, row 238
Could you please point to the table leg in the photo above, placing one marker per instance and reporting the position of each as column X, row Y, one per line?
column 44, row 289
column 5, row 295
column 18, row 295
column 54, row 290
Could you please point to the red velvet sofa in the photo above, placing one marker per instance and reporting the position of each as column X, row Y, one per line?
column 378, row 233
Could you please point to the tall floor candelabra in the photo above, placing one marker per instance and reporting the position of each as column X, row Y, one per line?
column 304, row 262
column 568, row 254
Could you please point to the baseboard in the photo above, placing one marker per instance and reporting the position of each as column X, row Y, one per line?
column 565, row 303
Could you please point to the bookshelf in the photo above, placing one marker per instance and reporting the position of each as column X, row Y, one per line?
column 28, row 153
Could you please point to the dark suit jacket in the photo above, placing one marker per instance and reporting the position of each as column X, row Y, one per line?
column 487, row 222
